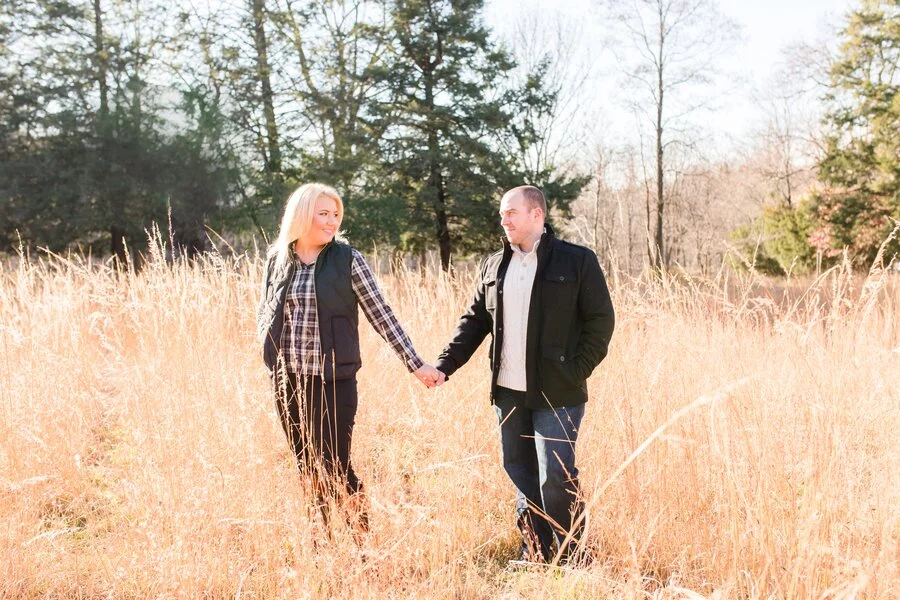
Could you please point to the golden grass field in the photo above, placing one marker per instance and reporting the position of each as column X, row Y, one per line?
column 741, row 442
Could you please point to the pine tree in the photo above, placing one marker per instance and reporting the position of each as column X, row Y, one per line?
column 861, row 168
column 446, row 114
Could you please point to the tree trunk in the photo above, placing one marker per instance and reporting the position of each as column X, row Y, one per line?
column 436, row 180
column 109, row 210
column 652, row 250
column 631, row 242
column 102, row 59
column 443, row 230
column 273, row 161
column 117, row 244
column 660, row 198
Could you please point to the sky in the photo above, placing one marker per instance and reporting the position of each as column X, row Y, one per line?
column 771, row 25
column 767, row 29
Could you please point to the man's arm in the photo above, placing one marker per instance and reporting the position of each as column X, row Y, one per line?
column 471, row 329
column 595, row 309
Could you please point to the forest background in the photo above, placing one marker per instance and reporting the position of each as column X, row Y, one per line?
column 200, row 117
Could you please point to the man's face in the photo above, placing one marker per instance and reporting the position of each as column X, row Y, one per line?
column 519, row 220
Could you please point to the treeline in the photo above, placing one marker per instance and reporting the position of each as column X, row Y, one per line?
column 118, row 114
column 817, row 175
column 855, row 204
column 199, row 117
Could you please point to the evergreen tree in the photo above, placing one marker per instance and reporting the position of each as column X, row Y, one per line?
column 535, row 103
column 44, row 167
column 90, row 150
column 228, row 75
column 862, row 164
column 334, row 50
column 447, row 117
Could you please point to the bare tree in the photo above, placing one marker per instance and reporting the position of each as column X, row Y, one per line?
column 607, row 214
column 789, row 144
column 336, row 51
column 594, row 221
column 258, row 16
column 780, row 155
column 672, row 46
column 553, row 44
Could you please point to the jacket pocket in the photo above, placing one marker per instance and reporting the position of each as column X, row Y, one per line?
column 557, row 368
column 346, row 341
column 559, row 289
column 490, row 294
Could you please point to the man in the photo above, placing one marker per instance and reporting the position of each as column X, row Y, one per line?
column 546, row 305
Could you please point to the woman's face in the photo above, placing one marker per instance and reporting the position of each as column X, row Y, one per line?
column 325, row 222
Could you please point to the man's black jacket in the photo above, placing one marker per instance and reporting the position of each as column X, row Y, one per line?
column 570, row 322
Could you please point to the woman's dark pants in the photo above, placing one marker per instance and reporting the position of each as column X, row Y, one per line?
column 318, row 418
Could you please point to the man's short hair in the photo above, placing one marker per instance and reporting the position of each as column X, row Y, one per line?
column 533, row 196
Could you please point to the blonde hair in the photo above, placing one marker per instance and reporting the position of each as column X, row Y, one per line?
column 298, row 217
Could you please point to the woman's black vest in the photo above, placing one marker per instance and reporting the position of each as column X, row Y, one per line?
column 336, row 305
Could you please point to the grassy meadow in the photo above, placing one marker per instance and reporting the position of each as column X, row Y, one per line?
column 742, row 441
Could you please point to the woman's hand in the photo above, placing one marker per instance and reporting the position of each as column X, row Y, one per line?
column 430, row 376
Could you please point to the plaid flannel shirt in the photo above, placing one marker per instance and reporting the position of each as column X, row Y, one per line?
column 300, row 339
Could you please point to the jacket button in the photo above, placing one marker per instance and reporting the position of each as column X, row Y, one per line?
column 562, row 359
column 499, row 291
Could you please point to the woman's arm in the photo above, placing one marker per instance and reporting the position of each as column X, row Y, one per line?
column 379, row 313
column 261, row 324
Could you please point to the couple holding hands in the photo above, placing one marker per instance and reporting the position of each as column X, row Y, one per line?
column 544, row 302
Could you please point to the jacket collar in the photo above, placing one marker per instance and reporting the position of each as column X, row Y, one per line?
column 295, row 259
column 546, row 238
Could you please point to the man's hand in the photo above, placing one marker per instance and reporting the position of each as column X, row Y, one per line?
column 430, row 376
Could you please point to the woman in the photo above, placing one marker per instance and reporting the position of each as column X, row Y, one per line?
column 308, row 322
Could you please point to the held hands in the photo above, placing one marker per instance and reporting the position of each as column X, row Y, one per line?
column 430, row 376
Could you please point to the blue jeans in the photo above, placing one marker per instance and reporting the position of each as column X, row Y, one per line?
column 539, row 457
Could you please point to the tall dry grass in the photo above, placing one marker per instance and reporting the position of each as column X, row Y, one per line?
column 741, row 442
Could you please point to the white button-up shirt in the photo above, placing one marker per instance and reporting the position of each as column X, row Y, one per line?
column 516, row 299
